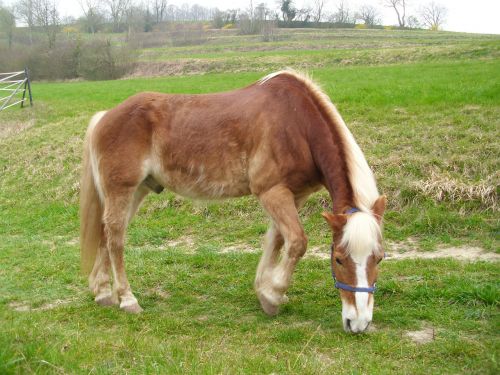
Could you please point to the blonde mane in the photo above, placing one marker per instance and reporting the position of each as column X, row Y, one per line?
column 362, row 230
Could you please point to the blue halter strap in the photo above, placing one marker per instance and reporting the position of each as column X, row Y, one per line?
column 341, row 285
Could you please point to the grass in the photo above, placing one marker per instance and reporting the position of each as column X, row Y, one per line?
column 420, row 122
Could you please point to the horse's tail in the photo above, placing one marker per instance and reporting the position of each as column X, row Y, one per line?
column 91, row 208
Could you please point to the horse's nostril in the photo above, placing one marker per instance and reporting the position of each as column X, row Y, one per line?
column 348, row 323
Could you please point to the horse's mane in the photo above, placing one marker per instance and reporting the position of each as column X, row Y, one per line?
column 362, row 228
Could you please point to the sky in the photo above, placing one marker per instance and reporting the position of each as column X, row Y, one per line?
column 477, row 16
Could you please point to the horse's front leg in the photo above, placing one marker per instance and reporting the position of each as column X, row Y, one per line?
column 273, row 279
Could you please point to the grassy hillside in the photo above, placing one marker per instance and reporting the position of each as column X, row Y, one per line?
column 429, row 127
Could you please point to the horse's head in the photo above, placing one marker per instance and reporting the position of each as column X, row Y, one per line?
column 356, row 253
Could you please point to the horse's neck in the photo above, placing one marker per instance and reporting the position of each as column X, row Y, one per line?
column 330, row 160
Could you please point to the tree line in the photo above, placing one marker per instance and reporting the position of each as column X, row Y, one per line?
column 118, row 16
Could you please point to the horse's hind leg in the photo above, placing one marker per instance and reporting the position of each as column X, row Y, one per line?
column 99, row 281
column 280, row 204
column 118, row 211
column 99, row 278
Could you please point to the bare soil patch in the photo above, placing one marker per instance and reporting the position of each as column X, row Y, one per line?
column 238, row 248
column 408, row 250
column 423, row 336
column 394, row 250
column 26, row 306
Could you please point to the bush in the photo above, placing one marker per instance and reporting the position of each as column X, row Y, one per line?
column 100, row 60
column 70, row 59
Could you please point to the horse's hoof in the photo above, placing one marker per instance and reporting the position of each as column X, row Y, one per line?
column 267, row 305
column 132, row 309
column 106, row 300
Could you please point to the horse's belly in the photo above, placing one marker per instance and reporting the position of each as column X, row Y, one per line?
column 198, row 181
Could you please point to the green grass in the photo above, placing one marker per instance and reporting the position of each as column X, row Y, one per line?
column 428, row 127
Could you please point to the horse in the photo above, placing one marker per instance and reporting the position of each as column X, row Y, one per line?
column 280, row 139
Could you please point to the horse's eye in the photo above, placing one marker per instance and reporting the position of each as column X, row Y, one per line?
column 338, row 261
column 380, row 260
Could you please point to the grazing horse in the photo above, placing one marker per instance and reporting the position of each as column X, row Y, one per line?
column 280, row 139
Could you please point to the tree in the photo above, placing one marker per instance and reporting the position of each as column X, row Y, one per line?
column 413, row 22
column 7, row 23
column 117, row 10
column 46, row 16
column 159, row 10
column 433, row 15
column 24, row 11
column 288, row 10
column 303, row 14
column 93, row 17
column 343, row 14
column 318, row 6
column 369, row 14
column 399, row 7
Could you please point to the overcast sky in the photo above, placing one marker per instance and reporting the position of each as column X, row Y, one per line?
column 478, row 16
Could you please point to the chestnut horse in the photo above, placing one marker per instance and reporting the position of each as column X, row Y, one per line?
column 280, row 139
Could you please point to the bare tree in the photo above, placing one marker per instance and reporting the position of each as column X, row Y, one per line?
column 412, row 22
column 369, row 14
column 24, row 12
column 7, row 23
column 46, row 16
column 303, row 14
column 159, row 10
column 117, row 10
column 318, row 6
column 433, row 15
column 399, row 7
column 92, row 14
column 343, row 14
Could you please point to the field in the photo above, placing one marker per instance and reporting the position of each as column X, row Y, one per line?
column 424, row 108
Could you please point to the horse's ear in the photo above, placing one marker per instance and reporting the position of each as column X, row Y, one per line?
column 337, row 222
column 379, row 207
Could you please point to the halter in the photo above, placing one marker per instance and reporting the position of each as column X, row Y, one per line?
column 341, row 285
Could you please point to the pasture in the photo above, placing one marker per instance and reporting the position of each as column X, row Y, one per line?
column 424, row 108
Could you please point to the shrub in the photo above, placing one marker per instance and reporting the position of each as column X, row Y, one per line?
column 361, row 26
column 100, row 60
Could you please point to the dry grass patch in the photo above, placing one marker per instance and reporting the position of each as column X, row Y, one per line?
column 442, row 187
column 11, row 128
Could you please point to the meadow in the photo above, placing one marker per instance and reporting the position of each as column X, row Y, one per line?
column 424, row 108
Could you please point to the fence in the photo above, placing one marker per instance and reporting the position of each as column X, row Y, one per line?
column 12, row 83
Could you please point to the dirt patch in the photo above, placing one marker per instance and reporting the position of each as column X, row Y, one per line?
column 238, row 248
column 185, row 241
column 423, row 336
column 397, row 251
column 26, row 306
column 11, row 128
column 318, row 252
